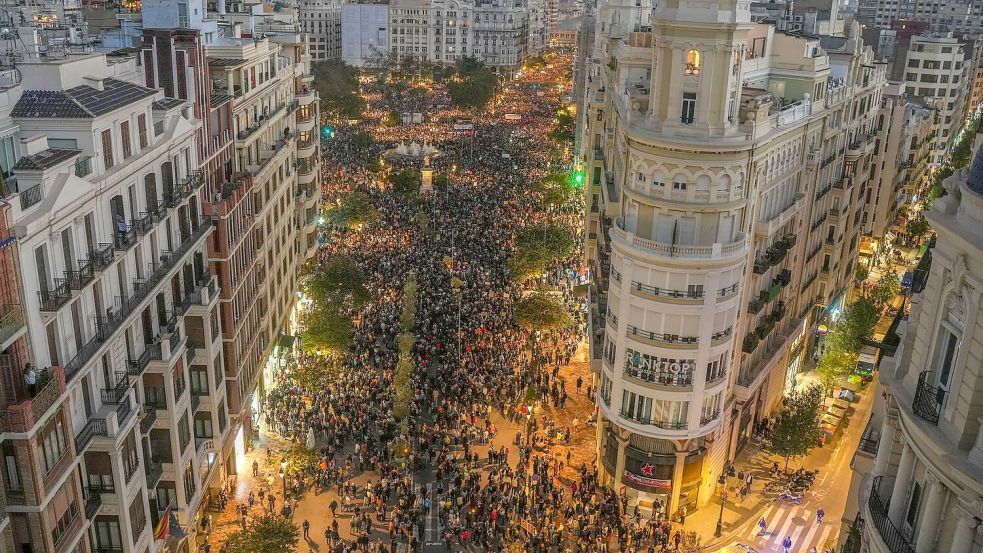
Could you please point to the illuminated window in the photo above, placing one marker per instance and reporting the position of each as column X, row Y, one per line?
column 692, row 62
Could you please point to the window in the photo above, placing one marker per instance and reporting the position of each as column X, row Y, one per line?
column 911, row 512
column 635, row 407
column 946, row 357
column 689, row 108
column 203, row 428
column 107, row 148
column 125, row 137
column 142, row 129
column 695, row 290
column 716, row 368
column 678, row 185
column 692, row 65
column 53, row 445
column 106, row 534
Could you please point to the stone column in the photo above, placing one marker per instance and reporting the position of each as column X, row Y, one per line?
column 619, row 470
column 962, row 541
column 677, row 481
column 929, row 527
column 885, row 446
column 896, row 511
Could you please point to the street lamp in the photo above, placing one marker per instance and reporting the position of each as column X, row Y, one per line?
column 728, row 470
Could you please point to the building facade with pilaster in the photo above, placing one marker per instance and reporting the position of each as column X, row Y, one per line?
column 927, row 488
column 725, row 186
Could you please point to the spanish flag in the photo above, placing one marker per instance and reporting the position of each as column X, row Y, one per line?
column 164, row 526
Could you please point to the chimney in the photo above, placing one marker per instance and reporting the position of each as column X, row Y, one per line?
column 94, row 82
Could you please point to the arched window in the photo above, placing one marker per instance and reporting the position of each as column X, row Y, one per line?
column 692, row 62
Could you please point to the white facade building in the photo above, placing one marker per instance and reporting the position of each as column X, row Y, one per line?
column 364, row 33
column 928, row 471
column 443, row 31
column 939, row 70
column 716, row 178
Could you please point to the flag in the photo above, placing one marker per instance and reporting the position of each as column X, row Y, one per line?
column 163, row 527
column 174, row 527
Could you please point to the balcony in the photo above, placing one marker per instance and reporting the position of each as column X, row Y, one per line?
column 685, row 295
column 680, row 378
column 93, row 501
column 52, row 300
column 83, row 166
column 153, row 470
column 93, row 428
column 707, row 419
column 928, row 400
column 124, row 238
column 24, row 415
column 774, row 254
column 679, row 251
column 11, row 320
column 136, row 367
column 102, row 257
column 148, row 420
column 113, row 322
column 31, row 196
column 130, row 467
column 891, row 535
column 662, row 338
column 117, row 394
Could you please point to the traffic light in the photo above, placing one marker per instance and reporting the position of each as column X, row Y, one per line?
column 327, row 131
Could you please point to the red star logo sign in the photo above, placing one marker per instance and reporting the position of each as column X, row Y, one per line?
column 647, row 469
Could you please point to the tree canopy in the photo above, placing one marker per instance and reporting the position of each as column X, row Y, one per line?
column 542, row 311
column 564, row 129
column 336, row 280
column 556, row 189
column 268, row 534
column 337, row 84
column 538, row 247
column 473, row 86
column 796, row 429
column 326, row 330
column 352, row 210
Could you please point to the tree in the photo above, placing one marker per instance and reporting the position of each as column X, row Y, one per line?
column 542, row 311
column 556, row 189
column 337, row 281
column 855, row 325
column 861, row 274
column 402, row 381
column 298, row 458
column 835, row 364
column 352, row 211
column 266, row 534
column 918, row 227
column 564, row 129
column 326, row 330
column 473, row 86
column 538, row 247
column 406, row 182
column 886, row 289
column 337, row 84
column 796, row 429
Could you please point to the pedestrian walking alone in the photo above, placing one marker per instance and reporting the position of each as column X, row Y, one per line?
column 820, row 513
column 786, row 544
column 761, row 526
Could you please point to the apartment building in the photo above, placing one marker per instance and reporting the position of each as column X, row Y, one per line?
column 942, row 70
column 321, row 20
column 111, row 248
column 902, row 161
column 443, row 31
column 928, row 470
column 941, row 16
column 364, row 33
column 726, row 186
column 157, row 212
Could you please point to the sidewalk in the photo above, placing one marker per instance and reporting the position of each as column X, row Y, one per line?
column 833, row 461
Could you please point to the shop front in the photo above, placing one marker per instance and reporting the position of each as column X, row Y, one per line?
column 652, row 469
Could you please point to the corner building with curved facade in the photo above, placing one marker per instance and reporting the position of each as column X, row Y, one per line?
column 727, row 167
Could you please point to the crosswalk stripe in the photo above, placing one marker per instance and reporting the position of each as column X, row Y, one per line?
column 809, row 535
column 753, row 533
column 780, row 536
column 824, row 536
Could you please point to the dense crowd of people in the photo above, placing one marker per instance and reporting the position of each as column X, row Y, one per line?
column 444, row 472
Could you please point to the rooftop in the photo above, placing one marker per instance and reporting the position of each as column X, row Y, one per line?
column 80, row 102
column 45, row 159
